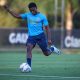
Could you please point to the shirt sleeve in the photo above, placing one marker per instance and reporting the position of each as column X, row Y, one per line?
column 23, row 16
column 45, row 21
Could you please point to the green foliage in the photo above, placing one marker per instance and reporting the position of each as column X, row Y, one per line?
column 20, row 6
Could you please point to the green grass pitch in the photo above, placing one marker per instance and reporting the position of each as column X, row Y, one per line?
column 53, row 67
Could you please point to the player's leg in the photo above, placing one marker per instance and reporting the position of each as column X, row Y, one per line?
column 30, row 45
column 47, row 51
column 29, row 53
column 41, row 41
column 44, row 46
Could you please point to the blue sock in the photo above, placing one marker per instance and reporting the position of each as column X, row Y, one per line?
column 29, row 61
column 52, row 49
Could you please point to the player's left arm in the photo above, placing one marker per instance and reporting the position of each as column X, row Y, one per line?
column 48, row 32
column 47, row 29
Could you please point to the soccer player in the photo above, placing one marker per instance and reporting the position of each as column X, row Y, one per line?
column 36, row 22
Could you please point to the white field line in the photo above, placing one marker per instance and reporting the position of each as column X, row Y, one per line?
column 38, row 76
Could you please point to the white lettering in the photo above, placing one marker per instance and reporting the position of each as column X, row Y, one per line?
column 12, row 38
column 71, row 41
column 20, row 38
column 68, row 41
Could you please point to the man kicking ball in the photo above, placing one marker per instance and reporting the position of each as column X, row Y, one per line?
column 36, row 21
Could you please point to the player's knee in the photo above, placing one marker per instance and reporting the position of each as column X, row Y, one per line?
column 29, row 48
column 29, row 51
column 46, row 53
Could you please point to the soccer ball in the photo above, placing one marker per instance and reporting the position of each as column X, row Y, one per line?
column 24, row 67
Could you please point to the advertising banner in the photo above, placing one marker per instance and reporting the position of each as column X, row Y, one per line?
column 73, row 40
column 10, row 37
column 18, row 37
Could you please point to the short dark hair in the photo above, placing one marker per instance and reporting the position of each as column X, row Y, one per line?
column 32, row 4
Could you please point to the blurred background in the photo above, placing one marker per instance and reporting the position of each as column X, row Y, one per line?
column 63, row 17
column 64, row 22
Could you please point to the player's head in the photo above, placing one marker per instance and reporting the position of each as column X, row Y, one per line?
column 33, row 8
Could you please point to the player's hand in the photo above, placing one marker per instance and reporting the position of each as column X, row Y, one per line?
column 49, row 42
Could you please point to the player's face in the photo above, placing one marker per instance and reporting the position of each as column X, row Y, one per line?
column 33, row 10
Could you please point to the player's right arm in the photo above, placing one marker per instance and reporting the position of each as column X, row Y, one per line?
column 12, row 12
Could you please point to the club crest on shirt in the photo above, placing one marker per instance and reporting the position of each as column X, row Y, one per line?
column 34, row 21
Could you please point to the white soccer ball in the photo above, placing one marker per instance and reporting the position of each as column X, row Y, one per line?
column 24, row 67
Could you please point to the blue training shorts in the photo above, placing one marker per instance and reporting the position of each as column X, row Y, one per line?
column 40, row 40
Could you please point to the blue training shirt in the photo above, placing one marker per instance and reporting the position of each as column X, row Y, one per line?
column 35, row 23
